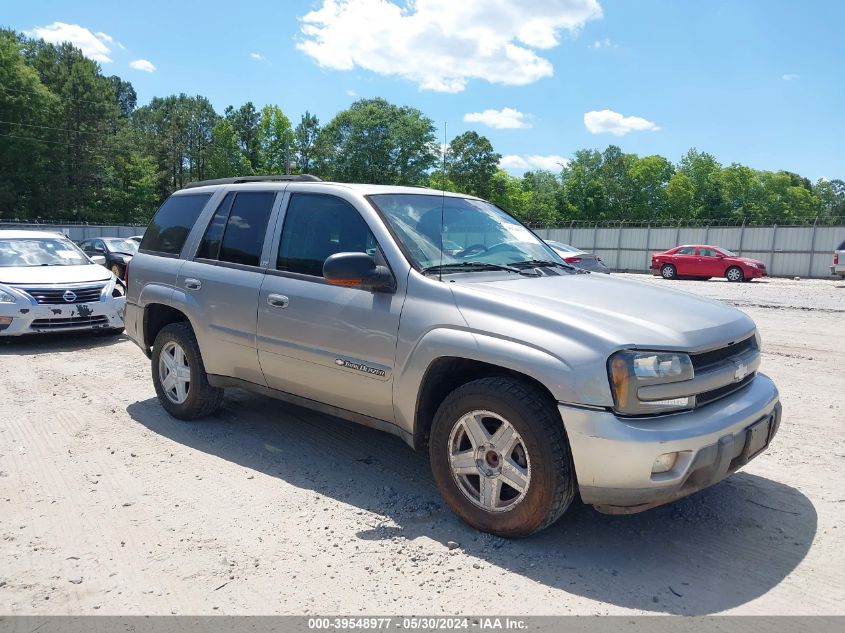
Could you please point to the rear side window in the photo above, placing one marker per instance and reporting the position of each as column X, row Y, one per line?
column 236, row 232
column 841, row 247
column 170, row 226
column 689, row 250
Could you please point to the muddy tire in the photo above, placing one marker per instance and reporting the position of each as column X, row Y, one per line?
column 179, row 374
column 500, row 457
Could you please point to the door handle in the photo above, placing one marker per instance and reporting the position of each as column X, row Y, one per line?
column 193, row 284
column 278, row 301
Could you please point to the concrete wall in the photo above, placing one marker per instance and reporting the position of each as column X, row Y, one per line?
column 804, row 251
column 789, row 251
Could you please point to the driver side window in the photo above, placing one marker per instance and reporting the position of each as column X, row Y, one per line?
column 317, row 226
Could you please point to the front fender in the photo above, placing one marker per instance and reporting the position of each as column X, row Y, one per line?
column 562, row 379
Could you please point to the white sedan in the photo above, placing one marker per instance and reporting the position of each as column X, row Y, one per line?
column 47, row 284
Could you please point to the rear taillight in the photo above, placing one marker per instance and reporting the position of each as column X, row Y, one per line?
column 126, row 274
column 836, row 259
column 572, row 260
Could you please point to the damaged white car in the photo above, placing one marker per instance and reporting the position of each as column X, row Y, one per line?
column 47, row 284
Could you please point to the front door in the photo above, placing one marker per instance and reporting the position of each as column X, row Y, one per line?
column 711, row 264
column 332, row 344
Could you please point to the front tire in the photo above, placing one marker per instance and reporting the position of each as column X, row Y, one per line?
column 500, row 457
column 179, row 376
column 668, row 272
column 734, row 274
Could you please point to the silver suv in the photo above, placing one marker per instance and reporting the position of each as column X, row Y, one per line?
column 528, row 380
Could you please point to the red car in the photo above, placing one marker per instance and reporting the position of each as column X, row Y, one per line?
column 705, row 262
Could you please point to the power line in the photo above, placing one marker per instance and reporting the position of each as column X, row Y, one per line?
column 57, row 129
column 63, row 98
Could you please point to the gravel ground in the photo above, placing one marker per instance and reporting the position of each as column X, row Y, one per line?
column 109, row 506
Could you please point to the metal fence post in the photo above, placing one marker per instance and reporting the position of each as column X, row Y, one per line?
column 647, row 247
column 741, row 235
column 772, row 251
column 707, row 234
column 812, row 247
column 678, row 235
column 595, row 233
column 619, row 246
column 569, row 241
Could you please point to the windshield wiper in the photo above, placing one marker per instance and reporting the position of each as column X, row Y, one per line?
column 540, row 263
column 472, row 266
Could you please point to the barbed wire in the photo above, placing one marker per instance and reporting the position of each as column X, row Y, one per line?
column 694, row 223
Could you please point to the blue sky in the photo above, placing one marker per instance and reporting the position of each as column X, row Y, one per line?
column 758, row 82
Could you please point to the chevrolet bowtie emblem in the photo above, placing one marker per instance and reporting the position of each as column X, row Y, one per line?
column 741, row 371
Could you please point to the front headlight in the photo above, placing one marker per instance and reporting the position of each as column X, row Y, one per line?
column 5, row 297
column 630, row 370
column 752, row 264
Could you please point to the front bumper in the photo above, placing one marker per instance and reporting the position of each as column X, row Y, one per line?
column 35, row 318
column 614, row 456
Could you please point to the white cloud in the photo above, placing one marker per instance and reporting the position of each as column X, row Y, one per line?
column 442, row 44
column 96, row 46
column 504, row 119
column 608, row 121
column 605, row 43
column 144, row 65
column 258, row 57
column 352, row 93
column 790, row 77
column 551, row 162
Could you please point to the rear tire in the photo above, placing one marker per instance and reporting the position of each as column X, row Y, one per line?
column 179, row 376
column 734, row 274
column 494, row 432
column 668, row 271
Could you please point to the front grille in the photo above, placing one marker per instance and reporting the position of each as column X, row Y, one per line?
column 55, row 295
column 719, row 356
column 67, row 323
column 709, row 396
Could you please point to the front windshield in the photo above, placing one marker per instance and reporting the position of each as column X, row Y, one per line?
column 473, row 231
column 40, row 252
column 122, row 246
column 726, row 252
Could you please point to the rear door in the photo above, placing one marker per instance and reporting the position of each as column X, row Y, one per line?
column 220, row 284
column 332, row 344
column 685, row 260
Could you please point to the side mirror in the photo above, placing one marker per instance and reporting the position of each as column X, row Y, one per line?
column 358, row 270
column 99, row 259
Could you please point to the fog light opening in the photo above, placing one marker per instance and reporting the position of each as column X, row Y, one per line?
column 664, row 463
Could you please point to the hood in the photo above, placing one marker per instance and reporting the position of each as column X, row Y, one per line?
column 748, row 260
column 49, row 275
column 598, row 311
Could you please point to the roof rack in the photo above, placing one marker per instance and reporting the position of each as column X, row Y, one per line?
column 241, row 179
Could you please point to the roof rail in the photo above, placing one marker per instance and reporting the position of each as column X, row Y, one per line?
column 241, row 179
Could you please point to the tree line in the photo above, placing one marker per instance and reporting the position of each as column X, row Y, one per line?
column 75, row 145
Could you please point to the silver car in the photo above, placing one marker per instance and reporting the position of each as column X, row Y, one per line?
column 838, row 267
column 47, row 284
column 579, row 258
column 527, row 381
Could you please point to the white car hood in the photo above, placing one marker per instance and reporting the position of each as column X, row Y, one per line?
column 50, row 275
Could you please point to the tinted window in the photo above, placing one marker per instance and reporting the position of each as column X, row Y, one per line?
column 318, row 226
column 841, row 247
column 245, row 228
column 689, row 250
column 210, row 245
column 170, row 226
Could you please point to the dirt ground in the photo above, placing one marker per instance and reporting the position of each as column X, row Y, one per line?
column 109, row 506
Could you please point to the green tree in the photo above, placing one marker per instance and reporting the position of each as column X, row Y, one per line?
column 378, row 142
column 226, row 159
column 583, row 194
column 244, row 121
column 680, row 195
column 472, row 163
column 649, row 178
column 275, row 141
column 704, row 173
column 305, row 140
